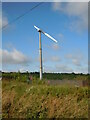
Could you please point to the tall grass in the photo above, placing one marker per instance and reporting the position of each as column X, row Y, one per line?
column 40, row 100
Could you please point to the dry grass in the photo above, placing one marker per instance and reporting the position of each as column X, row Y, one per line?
column 21, row 100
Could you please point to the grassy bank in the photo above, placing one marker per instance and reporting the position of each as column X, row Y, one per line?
column 22, row 100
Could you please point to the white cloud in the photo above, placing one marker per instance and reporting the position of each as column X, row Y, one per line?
column 55, row 59
column 23, row 70
column 63, row 68
column 13, row 57
column 75, row 59
column 58, row 68
column 0, row 22
column 79, row 10
column 56, row 6
column 55, row 47
column 49, row 59
column 76, row 62
column 61, row 35
column 0, row 18
column 48, row 69
column 3, row 20
column 82, row 69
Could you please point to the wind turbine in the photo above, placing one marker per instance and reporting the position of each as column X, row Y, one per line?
column 40, row 47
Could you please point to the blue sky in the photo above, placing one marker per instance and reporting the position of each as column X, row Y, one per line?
column 66, row 22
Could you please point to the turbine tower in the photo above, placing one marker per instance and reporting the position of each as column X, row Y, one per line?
column 40, row 47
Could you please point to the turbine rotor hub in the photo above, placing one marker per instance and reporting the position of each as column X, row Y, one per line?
column 39, row 31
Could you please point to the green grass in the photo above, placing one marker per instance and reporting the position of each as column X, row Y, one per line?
column 46, row 76
column 39, row 100
column 0, row 98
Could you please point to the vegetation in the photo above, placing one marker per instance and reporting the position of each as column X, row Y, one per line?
column 46, row 76
column 41, row 100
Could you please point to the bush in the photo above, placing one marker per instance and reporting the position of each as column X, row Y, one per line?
column 37, row 81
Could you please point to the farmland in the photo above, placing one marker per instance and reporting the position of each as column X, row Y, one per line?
column 40, row 99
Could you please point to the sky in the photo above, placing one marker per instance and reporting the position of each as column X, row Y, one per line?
column 45, row 0
column 66, row 22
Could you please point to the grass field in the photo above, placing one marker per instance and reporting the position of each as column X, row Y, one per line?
column 40, row 100
column 0, row 99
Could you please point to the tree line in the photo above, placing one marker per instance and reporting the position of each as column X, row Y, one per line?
column 46, row 76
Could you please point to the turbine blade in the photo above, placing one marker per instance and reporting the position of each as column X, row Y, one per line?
column 36, row 28
column 50, row 37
